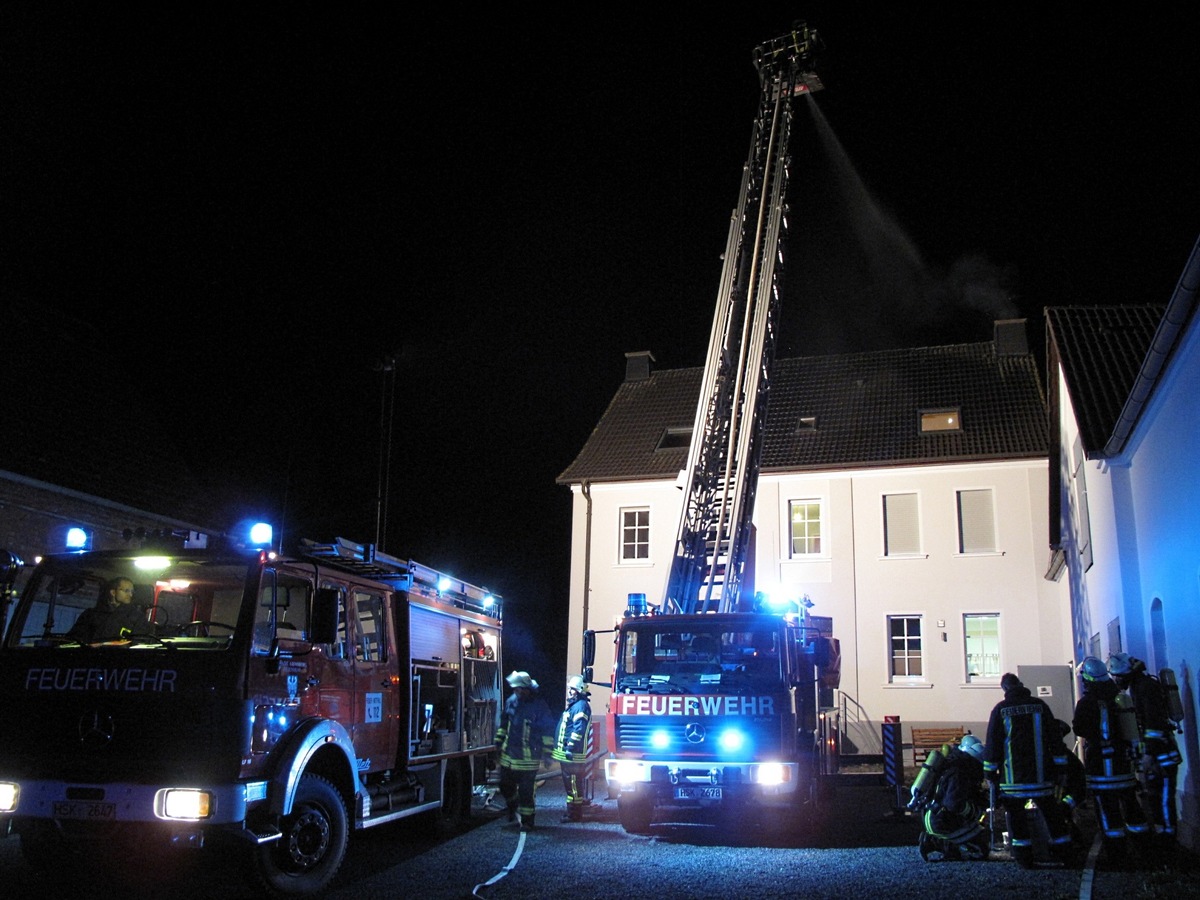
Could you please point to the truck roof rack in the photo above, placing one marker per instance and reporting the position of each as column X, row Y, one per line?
column 407, row 575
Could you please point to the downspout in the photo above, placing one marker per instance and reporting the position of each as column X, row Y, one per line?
column 585, row 488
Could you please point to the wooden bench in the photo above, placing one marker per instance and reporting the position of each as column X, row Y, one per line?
column 925, row 740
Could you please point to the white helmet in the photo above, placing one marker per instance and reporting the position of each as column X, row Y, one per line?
column 971, row 745
column 521, row 680
column 1092, row 669
column 577, row 684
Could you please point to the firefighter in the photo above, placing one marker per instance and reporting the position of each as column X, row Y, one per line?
column 1160, row 755
column 114, row 617
column 954, row 812
column 1108, row 759
column 524, row 739
column 571, row 747
column 1026, row 760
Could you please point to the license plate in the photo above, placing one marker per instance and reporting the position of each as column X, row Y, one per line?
column 81, row 809
column 697, row 793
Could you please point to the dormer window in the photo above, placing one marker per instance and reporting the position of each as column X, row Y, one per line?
column 806, row 425
column 935, row 420
column 675, row 439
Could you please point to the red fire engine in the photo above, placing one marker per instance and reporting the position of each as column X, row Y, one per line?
column 279, row 702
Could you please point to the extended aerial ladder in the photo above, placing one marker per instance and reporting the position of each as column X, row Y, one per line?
column 723, row 460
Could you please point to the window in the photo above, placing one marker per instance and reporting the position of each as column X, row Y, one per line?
column 905, row 647
column 635, row 535
column 1083, row 524
column 976, row 522
column 901, row 530
column 675, row 439
column 806, row 425
column 981, row 633
column 806, row 527
column 370, row 645
column 934, row 420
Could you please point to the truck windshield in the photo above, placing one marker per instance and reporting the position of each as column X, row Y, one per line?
column 715, row 660
column 142, row 601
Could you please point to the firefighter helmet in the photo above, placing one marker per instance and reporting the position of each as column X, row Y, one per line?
column 1092, row 669
column 521, row 680
column 576, row 684
column 1120, row 664
column 971, row 745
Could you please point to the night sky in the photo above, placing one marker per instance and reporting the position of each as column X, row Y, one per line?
column 257, row 208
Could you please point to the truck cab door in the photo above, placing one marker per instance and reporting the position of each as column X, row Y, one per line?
column 371, row 651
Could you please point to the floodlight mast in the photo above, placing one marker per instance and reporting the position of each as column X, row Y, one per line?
column 709, row 564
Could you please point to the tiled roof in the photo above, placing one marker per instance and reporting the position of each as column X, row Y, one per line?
column 866, row 407
column 1101, row 350
column 73, row 419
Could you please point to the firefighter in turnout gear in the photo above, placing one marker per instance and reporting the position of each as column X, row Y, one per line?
column 572, row 747
column 1108, row 758
column 523, row 740
column 1160, row 755
column 1026, row 759
column 954, row 804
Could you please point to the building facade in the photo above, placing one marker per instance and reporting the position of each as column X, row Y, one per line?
column 902, row 494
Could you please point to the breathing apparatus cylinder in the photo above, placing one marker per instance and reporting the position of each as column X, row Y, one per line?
column 1126, row 726
column 1174, row 701
column 926, row 781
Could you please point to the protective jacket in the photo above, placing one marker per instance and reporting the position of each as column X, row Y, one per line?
column 571, row 740
column 1025, row 752
column 1154, row 724
column 1107, row 757
column 526, row 733
column 109, row 623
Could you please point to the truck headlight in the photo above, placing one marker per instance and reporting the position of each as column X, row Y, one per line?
column 179, row 803
column 627, row 772
column 9, row 794
column 772, row 774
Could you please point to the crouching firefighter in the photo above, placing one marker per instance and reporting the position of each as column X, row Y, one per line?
column 950, row 789
column 572, row 748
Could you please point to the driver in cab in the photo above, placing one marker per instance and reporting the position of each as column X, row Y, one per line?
column 113, row 618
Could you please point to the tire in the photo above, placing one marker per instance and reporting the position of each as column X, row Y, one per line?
column 313, row 845
column 635, row 813
column 456, row 799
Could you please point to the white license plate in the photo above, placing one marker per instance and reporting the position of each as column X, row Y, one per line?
column 697, row 793
column 82, row 809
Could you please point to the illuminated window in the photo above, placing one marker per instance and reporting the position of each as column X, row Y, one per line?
column 904, row 634
column 976, row 522
column 806, row 527
column 635, row 535
column 934, row 420
column 901, row 526
column 981, row 633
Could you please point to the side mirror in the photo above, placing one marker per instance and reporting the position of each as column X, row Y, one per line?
column 324, row 624
column 589, row 651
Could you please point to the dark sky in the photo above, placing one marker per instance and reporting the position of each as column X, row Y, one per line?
column 255, row 208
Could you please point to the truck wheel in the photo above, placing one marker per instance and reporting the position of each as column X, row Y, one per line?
column 456, row 799
column 313, row 845
column 635, row 814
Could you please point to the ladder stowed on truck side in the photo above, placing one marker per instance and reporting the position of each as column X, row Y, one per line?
column 716, row 696
column 276, row 702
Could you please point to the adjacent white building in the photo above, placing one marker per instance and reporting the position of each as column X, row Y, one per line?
column 1125, row 515
column 903, row 492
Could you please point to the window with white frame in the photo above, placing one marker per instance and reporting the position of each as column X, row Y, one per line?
column 901, row 527
column 635, row 534
column 981, row 635
column 805, row 516
column 904, row 648
column 976, row 521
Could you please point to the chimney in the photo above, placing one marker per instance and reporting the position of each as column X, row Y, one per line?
column 638, row 365
column 1011, row 338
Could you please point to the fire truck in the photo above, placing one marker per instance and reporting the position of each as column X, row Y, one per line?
column 272, row 703
column 718, row 698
